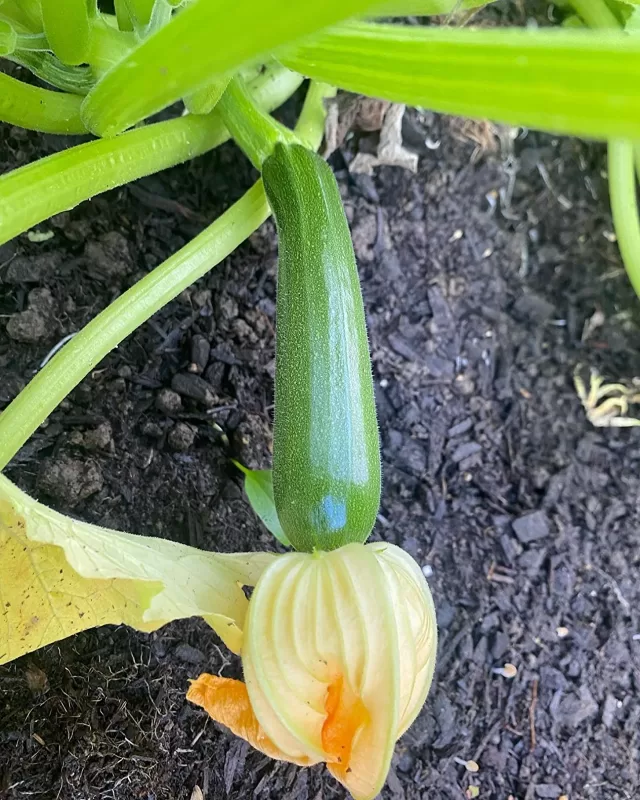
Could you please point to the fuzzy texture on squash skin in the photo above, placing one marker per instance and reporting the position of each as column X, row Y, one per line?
column 326, row 450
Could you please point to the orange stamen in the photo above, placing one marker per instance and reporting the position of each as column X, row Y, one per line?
column 346, row 714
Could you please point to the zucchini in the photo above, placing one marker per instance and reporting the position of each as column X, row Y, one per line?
column 326, row 450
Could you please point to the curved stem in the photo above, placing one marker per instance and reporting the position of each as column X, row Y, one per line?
column 78, row 80
column 254, row 131
column 624, row 206
column 39, row 109
column 37, row 191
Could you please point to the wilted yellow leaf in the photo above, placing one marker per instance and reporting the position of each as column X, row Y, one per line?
column 59, row 576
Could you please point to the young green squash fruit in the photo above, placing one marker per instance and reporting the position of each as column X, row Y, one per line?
column 326, row 451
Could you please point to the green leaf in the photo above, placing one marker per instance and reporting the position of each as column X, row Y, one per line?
column 59, row 576
column 258, row 486
column 584, row 83
column 206, row 39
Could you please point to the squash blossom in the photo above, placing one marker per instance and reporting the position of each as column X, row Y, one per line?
column 338, row 655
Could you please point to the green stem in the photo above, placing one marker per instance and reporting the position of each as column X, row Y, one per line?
column 140, row 11
column 38, row 109
column 205, row 40
column 108, row 46
column 68, row 26
column 254, row 131
column 77, row 358
column 77, row 80
column 624, row 160
column 204, row 100
column 624, row 206
column 125, row 22
column 8, row 38
column 59, row 182
column 25, row 12
column 32, row 41
column 310, row 127
column 68, row 367
column 595, row 13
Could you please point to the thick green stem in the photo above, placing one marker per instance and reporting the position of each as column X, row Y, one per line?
column 59, row 182
column 255, row 132
column 67, row 25
column 39, row 109
column 624, row 206
column 596, row 13
column 68, row 367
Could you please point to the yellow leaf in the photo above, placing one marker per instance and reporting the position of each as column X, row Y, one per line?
column 59, row 576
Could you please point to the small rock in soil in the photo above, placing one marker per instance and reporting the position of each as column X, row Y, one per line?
column 464, row 451
column 168, row 401
column 41, row 300
column 532, row 560
column 100, row 438
column 413, row 457
column 33, row 269
column 194, row 387
column 460, row 428
column 28, row 326
column 214, row 375
column 200, row 349
column 501, row 645
column 181, row 437
column 33, row 324
column 549, row 791
column 109, row 256
column 574, row 710
column 69, row 480
column 533, row 308
column 531, row 527
column 190, row 655
column 609, row 710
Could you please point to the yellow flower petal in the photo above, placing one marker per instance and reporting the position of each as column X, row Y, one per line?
column 322, row 662
column 338, row 656
column 227, row 701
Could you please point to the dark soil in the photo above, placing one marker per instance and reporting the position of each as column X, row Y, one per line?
column 479, row 274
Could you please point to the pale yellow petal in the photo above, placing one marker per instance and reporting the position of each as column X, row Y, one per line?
column 321, row 663
column 416, row 625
